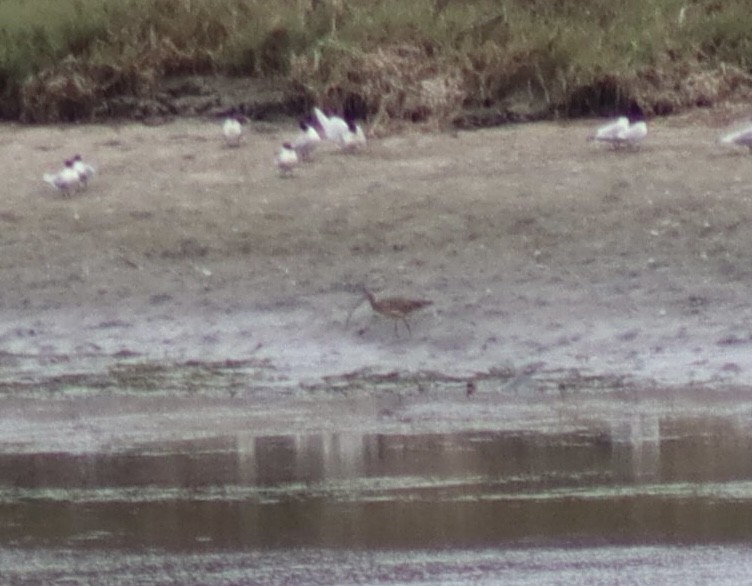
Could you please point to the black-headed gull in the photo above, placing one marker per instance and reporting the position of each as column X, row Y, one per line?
column 306, row 141
column 65, row 180
column 354, row 139
column 84, row 170
column 741, row 137
column 612, row 131
column 345, row 133
column 624, row 131
column 286, row 159
column 232, row 129
column 635, row 134
column 331, row 126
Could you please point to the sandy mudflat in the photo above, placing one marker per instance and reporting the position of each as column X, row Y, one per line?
column 541, row 252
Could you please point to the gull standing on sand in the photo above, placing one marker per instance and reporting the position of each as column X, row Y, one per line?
column 345, row 133
column 612, row 131
column 741, row 137
column 331, row 126
column 286, row 159
column 354, row 139
column 232, row 130
column 635, row 134
column 306, row 141
column 85, row 171
column 624, row 131
column 65, row 180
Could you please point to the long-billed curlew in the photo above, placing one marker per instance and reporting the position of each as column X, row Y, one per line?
column 396, row 308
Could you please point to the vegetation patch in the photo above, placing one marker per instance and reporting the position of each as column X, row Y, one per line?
column 394, row 83
column 394, row 62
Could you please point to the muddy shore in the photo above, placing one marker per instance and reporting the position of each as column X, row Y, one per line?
column 551, row 262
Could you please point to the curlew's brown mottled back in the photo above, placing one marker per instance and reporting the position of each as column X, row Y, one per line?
column 396, row 308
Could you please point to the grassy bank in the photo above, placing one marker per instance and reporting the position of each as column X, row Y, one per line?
column 420, row 60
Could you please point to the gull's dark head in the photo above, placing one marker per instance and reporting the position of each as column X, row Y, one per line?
column 76, row 158
column 635, row 113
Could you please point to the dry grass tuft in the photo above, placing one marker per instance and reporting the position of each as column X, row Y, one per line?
column 77, row 89
column 62, row 93
column 666, row 90
column 395, row 62
column 391, row 85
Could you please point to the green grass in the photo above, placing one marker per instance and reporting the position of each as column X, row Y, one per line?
column 569, row 55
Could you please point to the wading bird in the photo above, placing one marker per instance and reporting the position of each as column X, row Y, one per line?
column 396, row 308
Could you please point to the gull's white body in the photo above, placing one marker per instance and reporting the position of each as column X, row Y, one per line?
column 306, row 141
column 348, row 136
column 332, row 126
column 232, row 131
column 286, row 159
column 354, row 139
column 620, row 132
column 85, row 172
column 635, row 134
column 741, row 137
column 65, row 180
column 610, row 132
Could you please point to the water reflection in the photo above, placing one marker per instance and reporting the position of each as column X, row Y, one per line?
column 638, row 478
column 636, row 448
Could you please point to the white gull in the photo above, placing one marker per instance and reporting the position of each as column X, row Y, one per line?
column 84, row 170
column 65, row 180
column 621, row 132
column 741, row 137
column 286, row 159
column 306, row 141
column 232, row 130
column 345, row 133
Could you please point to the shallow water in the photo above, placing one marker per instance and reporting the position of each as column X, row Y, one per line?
column 418, row 508
column 192, row 476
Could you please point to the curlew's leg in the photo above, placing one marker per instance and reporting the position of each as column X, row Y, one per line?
column 396, row 324
column 349, row 315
